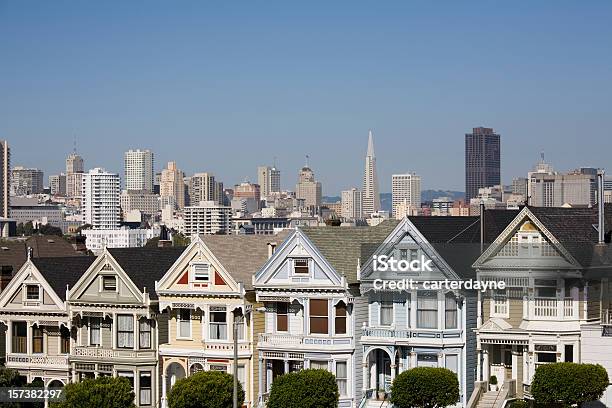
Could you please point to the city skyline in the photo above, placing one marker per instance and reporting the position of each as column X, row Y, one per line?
column 415, row 95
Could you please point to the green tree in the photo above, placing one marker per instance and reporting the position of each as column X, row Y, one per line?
column 304, row 389
column 205, row 389
column 50, row 230
column 102, row 392
column 11, row 378
column 179, row 240
column 425, row 387
column 568, row 384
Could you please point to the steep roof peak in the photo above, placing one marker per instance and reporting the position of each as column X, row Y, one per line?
column 370, row 144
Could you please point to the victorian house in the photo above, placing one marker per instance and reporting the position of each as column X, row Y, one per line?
column 114, row 319
column 550, row 305
column 312, row 305
column 421, row 324
column 34, row 314
column 208, row 298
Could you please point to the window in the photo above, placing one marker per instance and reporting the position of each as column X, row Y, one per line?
column 403, row 254
column 37, row 339
column 94, row 331
column 125, row 331
column 414, row 254
column 342, row 377
column 546, row 292
column 20, row 335
column 109, row 283
column 569, row 353
column 129, row 375
column 144, row 381
column 144, row 335
column 450, row 313
column 300, row 266
column 218, row 323
column 386, row 313
column 200, row 272
column 184, row 323
column 427, row 310
column 318, row 365
column 282, row 321
column 242, row 376
column 452, row 362
column 318, row 316
column 340, row 321
column 32, row 292
column 239, row 321
column 499, row 303
column 545, row 353
column 64, row 340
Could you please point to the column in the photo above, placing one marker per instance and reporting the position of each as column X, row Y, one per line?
column 479, row 365
column 366, row 379
column 163, row 398
column 515, row 367
column 114, row 330
column 29, row 338
column 9, row 337
column 393, row 372
column 485, row 364
column 413, row 359
column 261, row 377
column 286, row 366
column 136, row 331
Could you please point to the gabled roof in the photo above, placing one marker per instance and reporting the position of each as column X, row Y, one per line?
column 345, row 247
column 242, row 255
column 60, row 272
column 144, row 266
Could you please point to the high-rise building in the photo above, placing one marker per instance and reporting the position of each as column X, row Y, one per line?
column 308, row 189
column 351, row 201
column 74, row 175
column 371, row 194
column 556, row 190
column 5, row 176
column 204, row 187
column 26, row 181
column 57, row 184
column 250, row 193
column 269, row 180
column 207, row 217
column 101, row 205
column 519, row 186
column 139, row 173
column 405, row 193
column 482, row 160
column 172, row 186
column 145, row 202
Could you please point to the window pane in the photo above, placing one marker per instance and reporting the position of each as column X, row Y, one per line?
column 341, row 377
column 427, row 310
column 318, row 307
column 125, row 331
column 318, row 316
column 94, row 331
column 318, row 325
column 37, row 340
column 184, row 323
column 145, row 388
column 145, row 334
column 318, row 365
column 451, row 312
column 281, row 317
column 386, row 313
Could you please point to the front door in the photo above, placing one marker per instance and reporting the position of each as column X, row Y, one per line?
column 384, row 371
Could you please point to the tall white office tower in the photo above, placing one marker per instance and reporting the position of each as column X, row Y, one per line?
column 371, row 196
column 268, row 179
column 101, row 202
column 351, row 204
column 406, row 194
column 139, row 173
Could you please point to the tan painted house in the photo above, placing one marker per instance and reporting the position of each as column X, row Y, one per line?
column 205, row 292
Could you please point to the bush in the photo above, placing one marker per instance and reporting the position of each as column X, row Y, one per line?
column 205, row 389
column 425, row 387
column 102, row 392
column 568, row 384
column 304, row 389
column 519, row 404
column 493, row 380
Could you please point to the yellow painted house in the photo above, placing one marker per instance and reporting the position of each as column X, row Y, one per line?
column 207, row 291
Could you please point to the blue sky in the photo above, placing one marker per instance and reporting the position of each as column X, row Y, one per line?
column 227, row 86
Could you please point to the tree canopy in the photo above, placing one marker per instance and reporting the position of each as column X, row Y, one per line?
column 304, row 389
column 425, row 387
column 205, row 389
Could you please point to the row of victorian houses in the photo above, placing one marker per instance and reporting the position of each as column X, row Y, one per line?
column 308, row 298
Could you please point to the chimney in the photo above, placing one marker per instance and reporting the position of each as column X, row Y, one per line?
column 271, row 249
column 600, row 207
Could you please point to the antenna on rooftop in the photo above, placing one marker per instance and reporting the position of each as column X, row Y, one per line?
column 307, row 157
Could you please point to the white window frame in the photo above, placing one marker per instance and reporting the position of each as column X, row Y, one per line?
column 203, row 283
column 89, row 343
column 308, row 262
column 228, row 326
column 346, row 379
column 505, row 305
column 25, row 292
column 102, row 289
column 178, row 325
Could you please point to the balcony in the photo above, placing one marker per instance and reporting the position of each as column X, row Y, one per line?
column 14, row 360
column 552, row 309
column 96, row 353
column 389, row 335
column 299, row 341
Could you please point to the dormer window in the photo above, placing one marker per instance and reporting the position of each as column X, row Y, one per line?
column 33, row 292
column 200, row 274
column 109, row 283
column 300, row 266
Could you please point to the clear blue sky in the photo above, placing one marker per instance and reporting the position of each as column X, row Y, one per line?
column 226, row 86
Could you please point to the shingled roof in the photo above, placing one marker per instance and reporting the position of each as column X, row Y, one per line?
column 62, row 272
column 242, row 255
column 144, row 266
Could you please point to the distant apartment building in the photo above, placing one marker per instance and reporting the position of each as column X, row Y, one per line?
column 370, row 192
column 26, row 181
column 207, row 217
column 57, row 184
column 38, row 214
column 5, row 175
column 204, row 187
column 268, row 179
column 351, row 203
column 249, row 191
column 442, row 206
column 97, row 240
column 519, row 186
column 139, row 175
column 74, row 175
column 482, row 160
column 308, row 189
column 406, row 191
column 101, row 204
column 551, row 189
column 334, row 208
column 172, row 186
column 143, row 201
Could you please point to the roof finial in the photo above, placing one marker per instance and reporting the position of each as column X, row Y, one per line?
column 30, row 251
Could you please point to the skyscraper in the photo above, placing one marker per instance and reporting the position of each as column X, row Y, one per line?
column 5, row 175
column 101, row 204
column 57, row 184
column 351, row 201
column 371, row 196
column 204, row 187
column 482, row 160
column 268, row 179
column 406, row 194
column 172, row 186
column 74, row 173
column 307, row 188
column 139, row 173
column 26, row 181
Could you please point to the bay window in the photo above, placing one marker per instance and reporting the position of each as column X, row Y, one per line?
column 318, row 316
